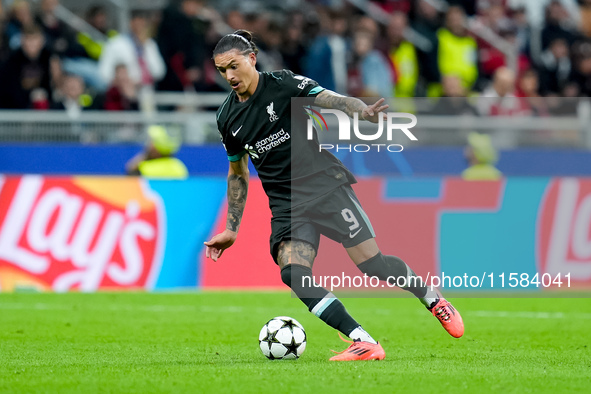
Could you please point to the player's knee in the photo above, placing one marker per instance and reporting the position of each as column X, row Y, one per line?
column 283, row 254
column 396, row 263
column 286, row 275
column 373, row 266
column 295, row 274
column 295, row 252
column 383, row 266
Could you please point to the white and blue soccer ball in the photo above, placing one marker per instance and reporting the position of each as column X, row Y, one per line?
column 282, row 338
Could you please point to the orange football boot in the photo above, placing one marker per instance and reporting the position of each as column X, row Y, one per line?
column 360, row 351
column 449, row 317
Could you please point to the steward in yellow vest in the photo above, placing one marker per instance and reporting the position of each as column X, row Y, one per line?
column 457, row 50
column 403, row 56
column 157, row 161
column 482, row 157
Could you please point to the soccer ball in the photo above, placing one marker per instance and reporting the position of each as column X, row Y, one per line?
column 282, row 338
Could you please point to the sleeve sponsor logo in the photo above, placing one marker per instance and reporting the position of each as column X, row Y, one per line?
column 304, row 81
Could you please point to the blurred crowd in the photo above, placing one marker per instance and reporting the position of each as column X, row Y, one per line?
column 402, row 48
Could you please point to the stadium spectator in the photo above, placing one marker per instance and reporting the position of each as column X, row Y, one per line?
column 523, row 29
column 499, row 98
column 457, row 50
column 157, row 160
column 403, row 56
column 369, row 74
column 122, row 94
column 391, row 6
column 137, row 51
column 427, row 22
column 182, row 46
column 19, row 17
column 4, row 49
column 529, row 94
column 586, row 17
column 327, row 57
column 84, row 61
column 234, row 19
column 555, row 67
column 536, row 10
column 492, row 13
column 140, row 54
column 256, row 19
column 97, row 17
column 212, row 25
column 503, row 84
column 27, row 70
column 452, row 87
column 482, row 157
column 368, row 24
column 60, row 39
column 269, row 58
column 567, row 104
column 582, row 72
column 71, row 96
column 453, row 101
column 492, row 58
column 469, row 7
column 559, row 25
column 293, row 50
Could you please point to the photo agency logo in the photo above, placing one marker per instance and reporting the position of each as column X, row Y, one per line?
column 318, row 121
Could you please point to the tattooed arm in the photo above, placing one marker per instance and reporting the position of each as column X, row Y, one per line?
column 350, row 105
column 237, row 192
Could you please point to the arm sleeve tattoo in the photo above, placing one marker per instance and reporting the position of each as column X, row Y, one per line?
column 237, row 191
column 349, row 105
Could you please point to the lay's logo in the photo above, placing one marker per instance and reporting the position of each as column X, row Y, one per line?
column 82, row 234
column 564, row 233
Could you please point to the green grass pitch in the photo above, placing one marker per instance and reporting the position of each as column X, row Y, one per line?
column 207, row 343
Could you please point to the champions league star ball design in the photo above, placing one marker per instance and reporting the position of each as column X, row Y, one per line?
column 282, row 338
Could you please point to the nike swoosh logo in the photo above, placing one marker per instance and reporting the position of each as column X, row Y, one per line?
column 352, row 235
column 236, row 132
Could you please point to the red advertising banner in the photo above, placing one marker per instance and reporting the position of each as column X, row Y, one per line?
column 78, row 233
column 564, row 229
column 248, row 263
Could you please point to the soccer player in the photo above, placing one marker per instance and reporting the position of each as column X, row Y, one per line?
column 309, row 193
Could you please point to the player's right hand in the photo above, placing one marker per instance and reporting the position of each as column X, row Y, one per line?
column 372, row 113
column 220, row 242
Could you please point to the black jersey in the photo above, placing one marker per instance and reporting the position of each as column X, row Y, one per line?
column 262, row 127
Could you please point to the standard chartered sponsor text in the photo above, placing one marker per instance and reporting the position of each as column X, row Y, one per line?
column 272, row 141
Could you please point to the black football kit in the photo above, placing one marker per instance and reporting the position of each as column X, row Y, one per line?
column 309, row 190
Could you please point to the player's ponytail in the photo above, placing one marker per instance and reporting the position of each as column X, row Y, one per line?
column 240, row 40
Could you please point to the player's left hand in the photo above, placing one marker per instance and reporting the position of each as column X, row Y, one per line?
column 372, row 112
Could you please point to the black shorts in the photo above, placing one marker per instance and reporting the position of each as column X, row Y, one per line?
column 337, row 215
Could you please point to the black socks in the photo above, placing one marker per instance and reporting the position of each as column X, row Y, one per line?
column 319, row 301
